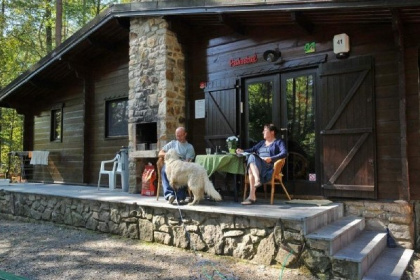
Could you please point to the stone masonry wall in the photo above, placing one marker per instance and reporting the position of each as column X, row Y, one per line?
column 398, row 216
column 263, row 241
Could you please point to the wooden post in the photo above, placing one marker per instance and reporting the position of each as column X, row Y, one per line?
column 404, row 190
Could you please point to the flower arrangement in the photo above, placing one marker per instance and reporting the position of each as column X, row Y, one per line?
column 232, row 143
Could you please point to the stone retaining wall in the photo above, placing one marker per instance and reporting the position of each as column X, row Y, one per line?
column 263, row 241
column 398, row 216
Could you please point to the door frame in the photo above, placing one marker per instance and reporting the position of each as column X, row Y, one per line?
column 298, row 187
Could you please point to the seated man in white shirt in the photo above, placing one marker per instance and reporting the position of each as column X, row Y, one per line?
column 187, row 153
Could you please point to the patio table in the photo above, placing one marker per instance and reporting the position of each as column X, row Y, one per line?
column 225, row 163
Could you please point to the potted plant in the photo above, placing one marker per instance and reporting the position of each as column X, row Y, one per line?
column 232, row 143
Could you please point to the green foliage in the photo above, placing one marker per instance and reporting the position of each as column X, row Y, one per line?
column 23, row 27
column 11, row 135
column 26, row 35
column 301, row 114
column 260, row 109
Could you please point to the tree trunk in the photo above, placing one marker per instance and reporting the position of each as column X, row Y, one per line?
column 58, row 21
column 48, row 28
column 2, row 22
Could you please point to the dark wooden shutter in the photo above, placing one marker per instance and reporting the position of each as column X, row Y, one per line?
column 346, row 110
column 221, row 116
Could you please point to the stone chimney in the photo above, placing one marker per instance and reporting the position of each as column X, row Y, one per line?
column 156, row 92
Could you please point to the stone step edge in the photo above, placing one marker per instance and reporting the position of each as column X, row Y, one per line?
column 337, row 227
column 363, row 251
column 371, row 238
column 390, row 265
column 338, row 234
column 337, row 213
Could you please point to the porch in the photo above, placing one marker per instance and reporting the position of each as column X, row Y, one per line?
column 284, row 233
column 305, row 214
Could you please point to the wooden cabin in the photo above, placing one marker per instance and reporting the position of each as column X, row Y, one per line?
column 339, row 78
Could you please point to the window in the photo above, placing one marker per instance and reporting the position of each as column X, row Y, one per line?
column 56, row 133
column 117, row 118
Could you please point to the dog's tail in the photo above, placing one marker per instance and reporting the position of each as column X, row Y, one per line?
column 211, row 191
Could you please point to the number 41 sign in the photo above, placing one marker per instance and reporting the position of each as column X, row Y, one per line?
column 341, row 44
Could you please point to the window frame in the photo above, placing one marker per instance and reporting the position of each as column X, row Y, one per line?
column 54, row 136
column 108, row 118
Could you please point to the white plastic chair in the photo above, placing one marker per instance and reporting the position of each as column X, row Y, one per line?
column 112, row 173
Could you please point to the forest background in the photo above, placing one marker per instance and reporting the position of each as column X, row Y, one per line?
column 29, row 30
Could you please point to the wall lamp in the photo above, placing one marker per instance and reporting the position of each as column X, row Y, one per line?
column 272, row 55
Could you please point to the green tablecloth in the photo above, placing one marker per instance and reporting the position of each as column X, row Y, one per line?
column 222, row 163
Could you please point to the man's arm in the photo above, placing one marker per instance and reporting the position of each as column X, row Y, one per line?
column 161, row 153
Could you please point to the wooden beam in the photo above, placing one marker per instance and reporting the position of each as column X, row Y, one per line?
column 300, row 20
column 184, row 32
column 41, row 84
column 80, row 71
column 103, row 45
column 124, row 23
column 233, row 24
column 398, row 29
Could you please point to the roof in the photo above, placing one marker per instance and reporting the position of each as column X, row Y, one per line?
column 110, row 31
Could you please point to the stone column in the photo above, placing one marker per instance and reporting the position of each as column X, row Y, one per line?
column 156, row 85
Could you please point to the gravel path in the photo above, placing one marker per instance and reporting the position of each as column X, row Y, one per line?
column 48, row 251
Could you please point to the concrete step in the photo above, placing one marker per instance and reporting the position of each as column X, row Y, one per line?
column 336, row 235
column 314, row 222
column 353, row 261
column 390, row 265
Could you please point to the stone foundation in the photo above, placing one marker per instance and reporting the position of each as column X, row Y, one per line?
column 261, row 240
column 398, row 216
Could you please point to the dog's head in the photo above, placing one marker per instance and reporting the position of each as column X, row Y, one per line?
column 171, row 154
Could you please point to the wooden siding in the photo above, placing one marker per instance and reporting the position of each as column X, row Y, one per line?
column 109, row 85
column 209, row 62
column 65, row 163
column 76, row 160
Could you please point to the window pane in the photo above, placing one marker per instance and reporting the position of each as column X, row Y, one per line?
column 301, row 127
column 260, row 98
column 56, row 125
column 117, row 117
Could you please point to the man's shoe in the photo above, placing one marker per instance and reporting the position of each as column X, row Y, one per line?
column 171, row 199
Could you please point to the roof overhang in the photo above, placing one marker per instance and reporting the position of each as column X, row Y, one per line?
column 198, row 14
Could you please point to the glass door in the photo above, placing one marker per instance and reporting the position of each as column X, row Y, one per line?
column 261, row 107
column 288, row 101
column 298, row 112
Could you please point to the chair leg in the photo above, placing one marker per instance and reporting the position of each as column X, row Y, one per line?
column 265, row 191
column 285, row 191
column 159, row 164
column 99, row 180
column 111, row 181
column 158, row 186
column 273, row 189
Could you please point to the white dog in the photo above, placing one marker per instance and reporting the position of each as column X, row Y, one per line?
column 181, row 173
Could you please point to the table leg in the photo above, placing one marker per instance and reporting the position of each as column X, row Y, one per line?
column 235, row 187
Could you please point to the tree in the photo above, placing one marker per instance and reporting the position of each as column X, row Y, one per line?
column 58, row 21
column 11, row 136
column 26, row 35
